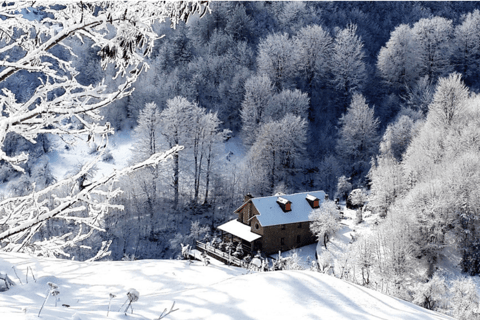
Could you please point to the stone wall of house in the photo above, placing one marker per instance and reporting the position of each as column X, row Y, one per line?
column 247, row 212
column 294, row 235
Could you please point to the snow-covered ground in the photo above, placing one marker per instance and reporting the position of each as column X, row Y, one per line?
column 199, row 292
column 65, row 158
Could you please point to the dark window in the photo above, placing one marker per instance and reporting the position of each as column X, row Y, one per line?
column 299, row 225
column 283, row 227
column 298, row 238
column 257, row 226
column 282, row 241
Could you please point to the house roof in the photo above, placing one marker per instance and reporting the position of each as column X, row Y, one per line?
column 240, row 230
column 270, row 213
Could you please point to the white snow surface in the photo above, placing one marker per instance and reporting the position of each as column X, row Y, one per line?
column 271, row 214
column 200, row 292
column 63, row 160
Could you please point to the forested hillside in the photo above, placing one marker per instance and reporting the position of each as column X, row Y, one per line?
column 265, row 97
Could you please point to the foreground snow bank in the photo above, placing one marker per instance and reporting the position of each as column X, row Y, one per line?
column 199, row 292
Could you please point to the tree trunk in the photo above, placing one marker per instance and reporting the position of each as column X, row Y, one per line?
column 175, row 180
column 207, row 178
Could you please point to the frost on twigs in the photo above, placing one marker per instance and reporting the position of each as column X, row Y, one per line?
column 22, row 217
column 166, row 313
column 60, row 104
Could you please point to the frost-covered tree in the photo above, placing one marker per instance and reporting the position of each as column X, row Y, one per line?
column 277, row 152
column 343, row 187
column 258, row 91
column 347, row 62
column 467, row 45
column 325, row 221
column 434, row 38
column 398, row 60
column 206, row 136
column 123, row 35
column 397, row 137
column 419, row 95
column 358, row 138
column 387, row 183
column 146, row 143
column 448, row 101
column 278, row 58
column 430, row 294
column 176, row 122
column 315, row 47
column 287, row 101
column 147, row 132
column 465, row 300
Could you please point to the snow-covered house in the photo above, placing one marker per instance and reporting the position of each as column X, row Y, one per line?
column 274, row 223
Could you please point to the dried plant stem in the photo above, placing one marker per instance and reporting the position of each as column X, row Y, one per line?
column 44, row 301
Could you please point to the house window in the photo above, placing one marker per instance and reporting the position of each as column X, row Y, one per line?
column 283, row 227
column 257, row 226
column 298, row 238
column 282, row 241
column 299, row 226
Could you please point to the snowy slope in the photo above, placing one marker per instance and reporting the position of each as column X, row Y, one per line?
column 200, row 292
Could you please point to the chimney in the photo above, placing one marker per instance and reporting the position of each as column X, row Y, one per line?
column 247, row 197
column 313, row 201
column 285, row 204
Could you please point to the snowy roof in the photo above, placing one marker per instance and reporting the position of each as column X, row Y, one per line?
column 240, row 230
column 270, row 213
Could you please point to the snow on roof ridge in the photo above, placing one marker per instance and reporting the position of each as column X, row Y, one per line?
column 288, row 195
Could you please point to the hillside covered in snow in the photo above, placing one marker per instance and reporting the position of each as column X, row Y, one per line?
column 199, row 292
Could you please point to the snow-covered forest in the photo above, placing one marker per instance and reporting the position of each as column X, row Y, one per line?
column 127, row 130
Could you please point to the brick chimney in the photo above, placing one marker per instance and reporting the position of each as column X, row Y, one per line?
column 247, row 197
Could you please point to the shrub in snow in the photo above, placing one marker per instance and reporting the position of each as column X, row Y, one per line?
column 246, row 261
column 107, row 156
column 185, row 251
column 127, row 257
column 430, row 294
column 238, row 251
column 7, row 282
column 465, row 300
column 292, row 262
column 205, row 259
column 325, row 261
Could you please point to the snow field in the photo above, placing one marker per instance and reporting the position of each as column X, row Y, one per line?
column 199, row 292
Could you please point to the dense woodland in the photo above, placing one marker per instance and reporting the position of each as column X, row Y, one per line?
column 333, row 96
